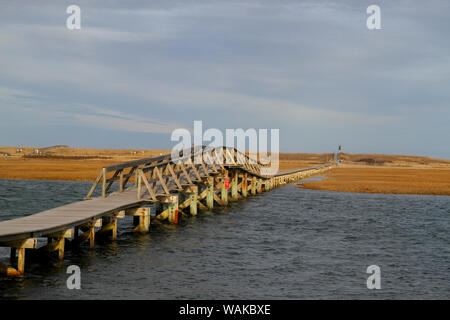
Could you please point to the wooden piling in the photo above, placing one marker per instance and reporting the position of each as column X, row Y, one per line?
column 234, row 186
column 193, row 197
column 254, row 185
column 173, row 209
column 244, row 188
column 19, row 246
column 210, row 193
column 21, row 260
column 141, row 218
column 223, row 189
column 91, row 237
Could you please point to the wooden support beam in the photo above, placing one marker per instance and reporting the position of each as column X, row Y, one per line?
column 137, row 211
column 202, row 206
column 194, row 169
column 174, row 177
column 109, row 226
column 185, row 173
column 219, row 200
column 29, row 243
column 96, row 182
column 143, row 178
column 88, row 232
column 111, row 180
column 185, row 203
column 143, row 217
column 57, row 245
column 161, row 180
column 67, row 233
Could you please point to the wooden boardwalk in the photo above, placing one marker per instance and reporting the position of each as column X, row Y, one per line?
column 201, row 178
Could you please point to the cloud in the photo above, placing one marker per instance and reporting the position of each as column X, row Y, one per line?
column 303, row 67
column 36, row 109
column 119, row 121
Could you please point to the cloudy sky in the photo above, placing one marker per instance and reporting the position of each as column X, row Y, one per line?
column 136, row 70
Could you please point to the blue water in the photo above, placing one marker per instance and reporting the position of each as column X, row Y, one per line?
column 288, row 243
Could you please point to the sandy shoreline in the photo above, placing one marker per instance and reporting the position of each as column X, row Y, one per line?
column 385, row 180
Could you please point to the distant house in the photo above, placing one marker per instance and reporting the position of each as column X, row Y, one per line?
column 19, row 150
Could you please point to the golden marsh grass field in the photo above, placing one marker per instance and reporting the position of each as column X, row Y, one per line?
column 372, row 173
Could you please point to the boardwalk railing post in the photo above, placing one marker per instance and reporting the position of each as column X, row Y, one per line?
column 96, row 182
column 121, row 181
column 104, row 183
column 139, row 175
column 136, row 175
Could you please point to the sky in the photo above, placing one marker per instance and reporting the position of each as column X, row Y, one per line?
column 137, row 70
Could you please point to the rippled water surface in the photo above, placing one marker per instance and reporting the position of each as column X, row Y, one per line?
column 285, row 244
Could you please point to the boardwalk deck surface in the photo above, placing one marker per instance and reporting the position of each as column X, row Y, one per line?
column 67, row 216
